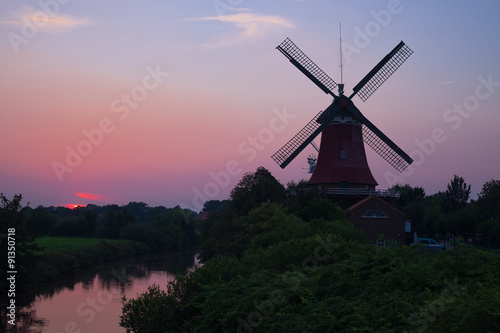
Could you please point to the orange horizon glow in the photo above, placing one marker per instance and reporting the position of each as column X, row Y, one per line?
column 73, row 206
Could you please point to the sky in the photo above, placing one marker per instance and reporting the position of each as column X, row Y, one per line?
column 171, row 102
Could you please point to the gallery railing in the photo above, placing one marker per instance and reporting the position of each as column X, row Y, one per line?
column 351, row 192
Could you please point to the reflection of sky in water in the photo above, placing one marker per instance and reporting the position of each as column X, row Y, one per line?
column 95, row 306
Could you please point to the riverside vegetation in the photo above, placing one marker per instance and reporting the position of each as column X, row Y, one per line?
column 274, row 264
column 56, row 241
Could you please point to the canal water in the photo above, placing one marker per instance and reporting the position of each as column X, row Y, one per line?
column 92, row 301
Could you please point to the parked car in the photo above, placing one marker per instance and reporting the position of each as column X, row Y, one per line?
column 431, row 244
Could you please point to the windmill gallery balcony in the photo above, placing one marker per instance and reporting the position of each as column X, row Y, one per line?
column 350, row 192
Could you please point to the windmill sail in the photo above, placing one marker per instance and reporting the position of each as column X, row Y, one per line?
column 307, row 66
column 304, row 137
column 284, row 155
column 379, row 142
column 393, row 156
column 375, row 138
column 382, row 71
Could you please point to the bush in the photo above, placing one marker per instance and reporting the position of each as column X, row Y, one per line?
column 325, row 278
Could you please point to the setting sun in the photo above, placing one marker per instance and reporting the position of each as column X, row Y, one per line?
column 73, row 206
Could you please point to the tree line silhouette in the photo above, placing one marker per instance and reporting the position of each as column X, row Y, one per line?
column 274, row 263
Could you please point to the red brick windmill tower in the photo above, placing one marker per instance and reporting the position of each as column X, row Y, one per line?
column 342, row 168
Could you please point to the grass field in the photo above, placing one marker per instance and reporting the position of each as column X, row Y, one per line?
column 61, row 244
column 69, row 255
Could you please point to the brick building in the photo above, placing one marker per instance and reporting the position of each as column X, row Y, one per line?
column 380, row 220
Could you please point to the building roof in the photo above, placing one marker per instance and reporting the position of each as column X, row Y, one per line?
column 373, row 197
column 204, row 215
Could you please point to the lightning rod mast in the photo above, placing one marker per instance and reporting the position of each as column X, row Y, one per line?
column 341, row 85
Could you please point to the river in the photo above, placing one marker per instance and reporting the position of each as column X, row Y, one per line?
column 92, row 301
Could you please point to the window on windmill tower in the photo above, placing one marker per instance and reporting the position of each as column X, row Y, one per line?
column 343, row 154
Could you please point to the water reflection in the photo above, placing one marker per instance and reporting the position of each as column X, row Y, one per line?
column 26, row 322
column 92, row 301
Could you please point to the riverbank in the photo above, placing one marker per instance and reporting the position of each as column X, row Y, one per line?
column 68, row 255
column 91, row 299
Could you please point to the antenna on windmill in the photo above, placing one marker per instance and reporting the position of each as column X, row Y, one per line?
column 341, row 84
column 311, row 160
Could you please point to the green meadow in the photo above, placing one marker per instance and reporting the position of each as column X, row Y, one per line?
column 69, row 255
column 63, row 244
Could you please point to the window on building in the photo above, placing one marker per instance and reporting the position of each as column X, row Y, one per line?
column 374, row 214
column 380, row 242
column 343, row 154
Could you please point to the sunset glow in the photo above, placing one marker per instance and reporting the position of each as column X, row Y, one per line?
column 73, row 206
column 173, row 106
column 90, row 196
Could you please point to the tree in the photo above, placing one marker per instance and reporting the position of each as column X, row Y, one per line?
column 462, row 222
column 412, row 203
column 408, row 195
column 89, row 222
column 294, row 185
column 112, row 223
column 175, row 226
column 457, row 194
column 302, row 193
column 218, row 234
column 489, row 199
column 214, row 205
column 148, row 312
column 433, row 221
column 321, row 208
column 255, row 188
column 488, row 209
column 39, row 222
column 138, row 209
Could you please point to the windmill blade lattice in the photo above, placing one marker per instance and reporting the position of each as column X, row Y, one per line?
column 384, row 150
column 307, row 66
column 296, row 144
column 382, row 71
column 379, row 142
column 375, row 138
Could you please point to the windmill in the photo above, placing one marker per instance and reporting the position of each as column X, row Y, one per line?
column 342, row 163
